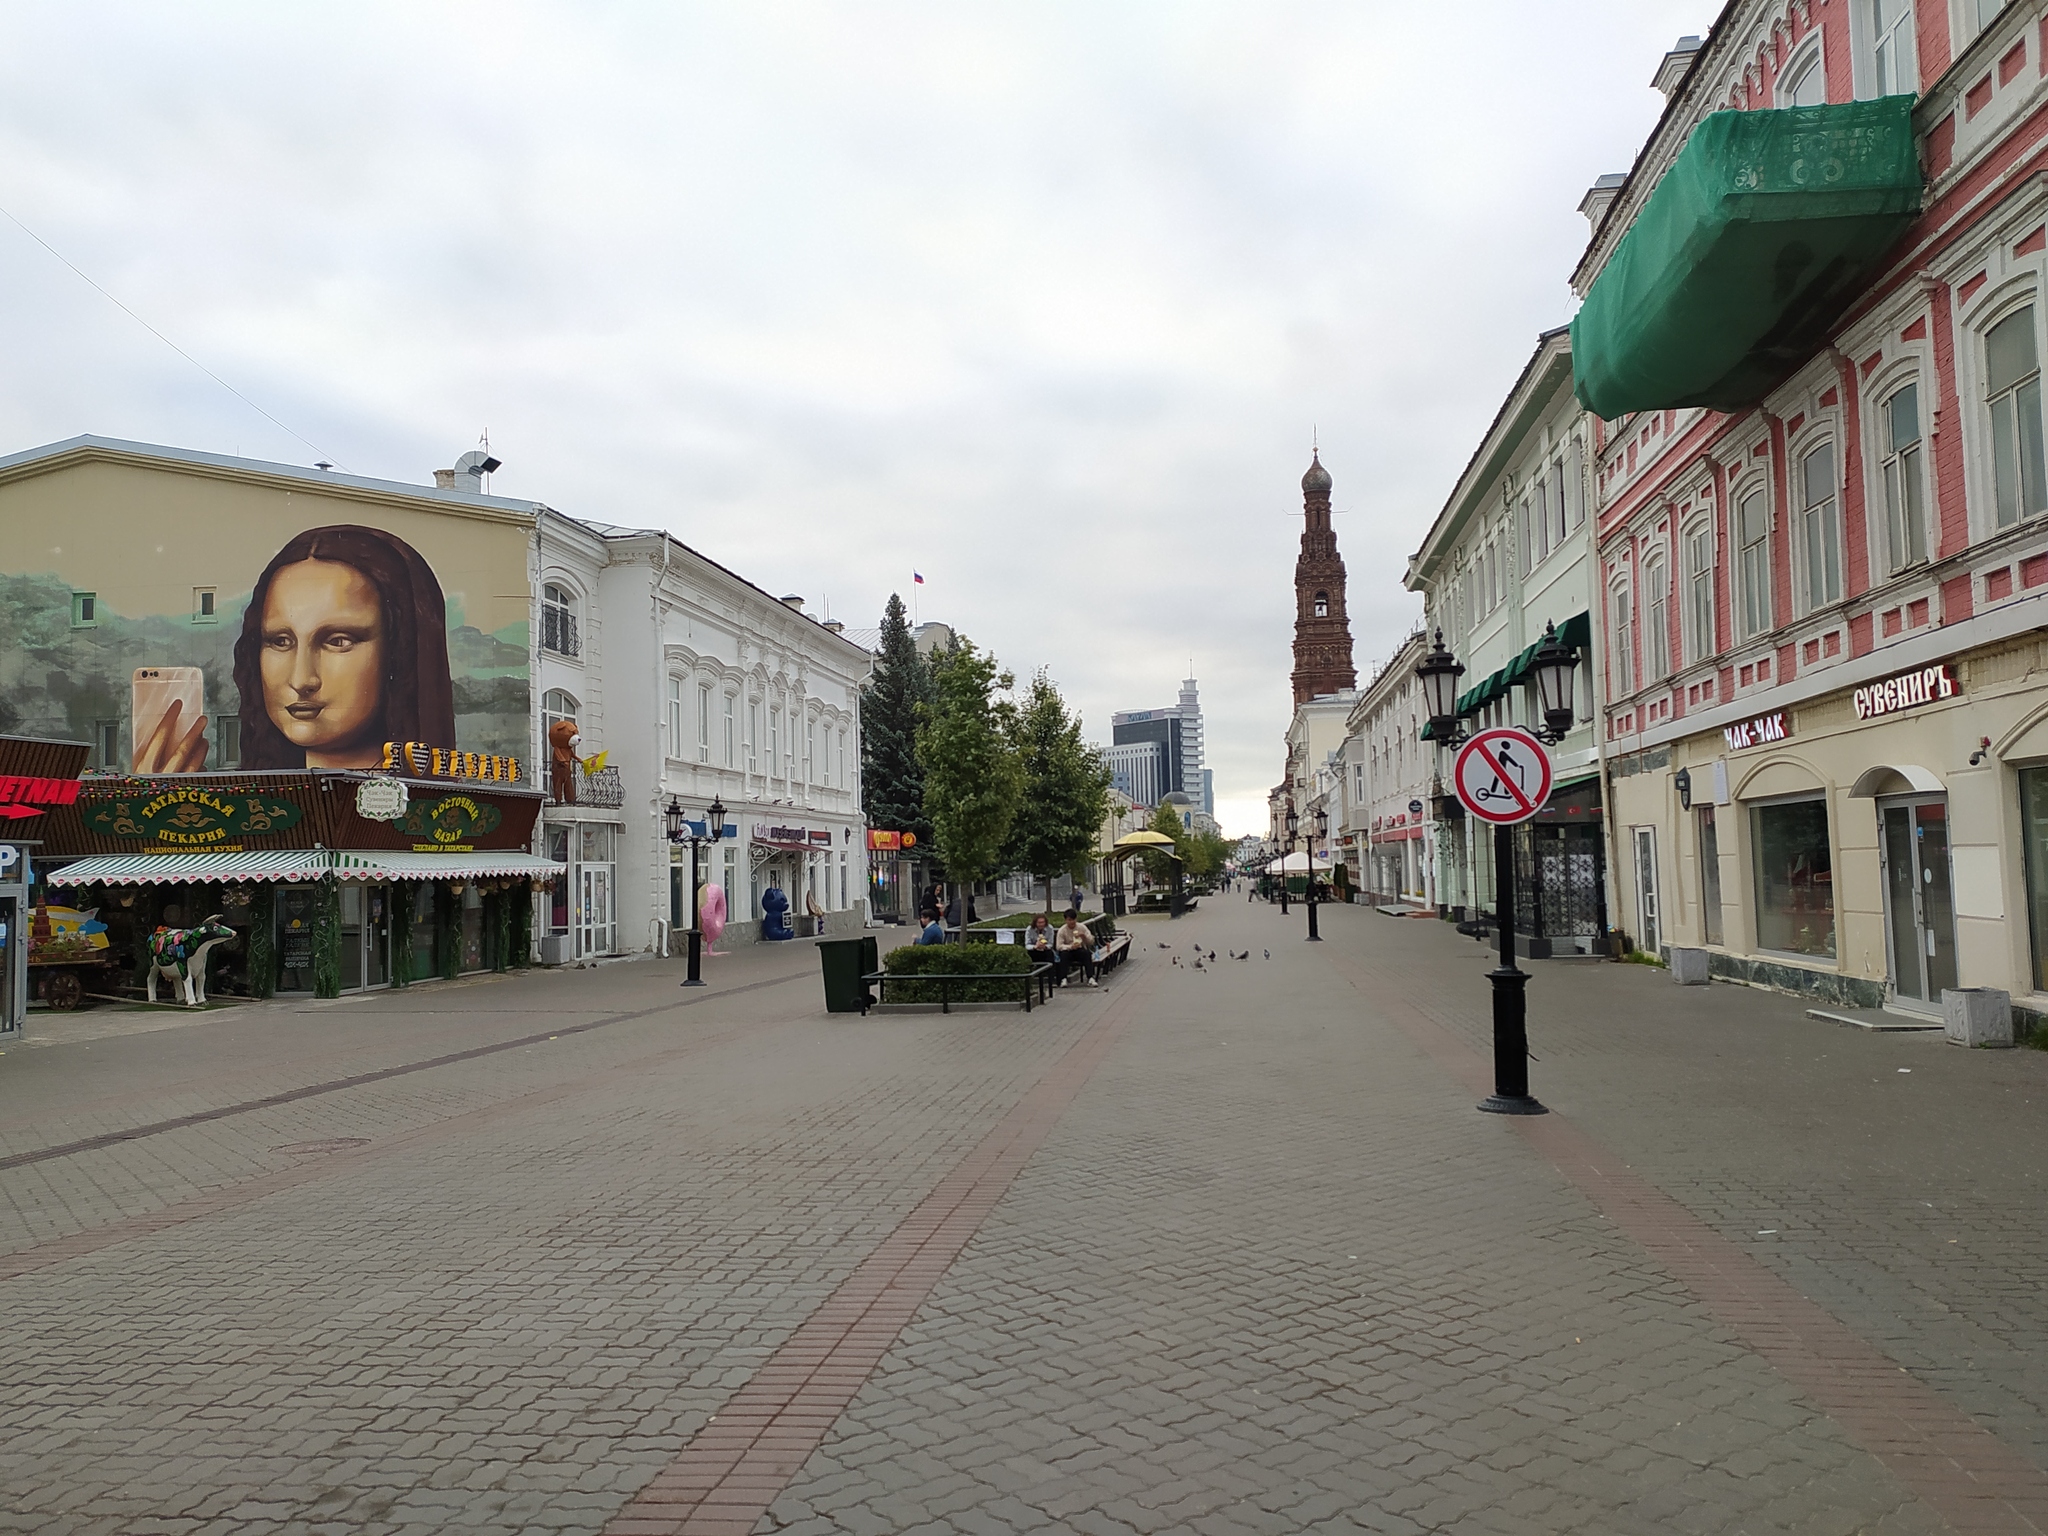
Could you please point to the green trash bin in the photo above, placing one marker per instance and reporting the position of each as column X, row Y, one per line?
column 844, row 962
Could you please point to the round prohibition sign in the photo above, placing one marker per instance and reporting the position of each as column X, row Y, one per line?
column 1503, row 775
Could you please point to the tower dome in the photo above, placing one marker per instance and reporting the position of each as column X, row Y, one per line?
column 1317, row 481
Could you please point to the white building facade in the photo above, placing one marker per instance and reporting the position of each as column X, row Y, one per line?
column 1510, row 554
column 1389, row 837
column 696, row 685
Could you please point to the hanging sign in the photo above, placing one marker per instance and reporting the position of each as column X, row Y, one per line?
column 1503, row 775
column 1909, row 690
column 381, row 799
column 451, row 824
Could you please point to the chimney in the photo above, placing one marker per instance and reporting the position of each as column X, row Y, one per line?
column 1600, row 197
column 1674, row 65
column 837, row 626
column 444, row 479
column 793, row 602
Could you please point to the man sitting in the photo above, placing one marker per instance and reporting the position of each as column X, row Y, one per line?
column 934, row 930
column 1076, row 946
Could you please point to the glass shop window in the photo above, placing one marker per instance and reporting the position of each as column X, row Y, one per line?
column 558, row 897
column 2034, row 835
column 1795, row 884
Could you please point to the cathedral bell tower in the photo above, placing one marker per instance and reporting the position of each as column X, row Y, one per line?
column 1322, row 627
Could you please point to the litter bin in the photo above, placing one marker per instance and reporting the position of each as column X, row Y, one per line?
column 844, row 962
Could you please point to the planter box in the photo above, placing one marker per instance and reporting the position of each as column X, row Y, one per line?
column 1688, row 966
column 1978, row 1016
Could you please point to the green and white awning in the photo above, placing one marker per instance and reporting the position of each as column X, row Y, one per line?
column 376, row 864
column 296, row 866
column 194, row 868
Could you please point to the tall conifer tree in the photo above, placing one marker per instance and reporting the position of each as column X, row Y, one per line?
column 891, row 777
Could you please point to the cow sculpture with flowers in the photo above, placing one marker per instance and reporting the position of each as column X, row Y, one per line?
column 179, row 956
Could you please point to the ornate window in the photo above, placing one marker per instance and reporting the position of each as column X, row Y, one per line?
column 1905, row 492
column 2012, row 380
column 675, row 716
column 558, row 620
column 556, row 704
column 1894, row 70
column 1322, row 605
column 1699, row 589
column 1820, row 528
column 1656, row 619
column 703, row 722
column 1624, row 679
column 1753, row 562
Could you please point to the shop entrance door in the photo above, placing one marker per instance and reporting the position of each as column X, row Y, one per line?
column 596, row 922
column 1647, row 915
column 1920, row 914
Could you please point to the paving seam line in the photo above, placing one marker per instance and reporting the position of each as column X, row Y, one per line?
column 1962, row 1471
column 124, row 1229
column 364, row 1079
column 727, row 1475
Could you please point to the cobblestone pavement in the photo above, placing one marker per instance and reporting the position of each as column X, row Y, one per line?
column 1215, row 1251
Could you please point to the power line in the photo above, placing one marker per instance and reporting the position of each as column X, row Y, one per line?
column 160, row 336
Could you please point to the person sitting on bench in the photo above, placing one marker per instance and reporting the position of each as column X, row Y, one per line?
column 1076, row 946
column 1038, row 944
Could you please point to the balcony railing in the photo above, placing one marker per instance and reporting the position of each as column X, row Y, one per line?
column 601, row 789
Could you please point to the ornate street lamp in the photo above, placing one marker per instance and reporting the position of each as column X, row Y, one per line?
column 1321, row 833
column 679, row 831
column 1440, row 671
column 1553, row 665
column 1292, row 822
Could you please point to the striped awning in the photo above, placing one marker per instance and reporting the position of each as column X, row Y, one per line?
column 188, row 868
column 377, row 864
column 297, row 865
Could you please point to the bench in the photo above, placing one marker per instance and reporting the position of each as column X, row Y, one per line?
column 1114, row 953
column 1034, row 983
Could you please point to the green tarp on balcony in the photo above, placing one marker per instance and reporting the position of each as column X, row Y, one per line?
column 1745, row 254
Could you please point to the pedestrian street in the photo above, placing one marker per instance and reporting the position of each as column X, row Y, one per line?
column 1216, row 1247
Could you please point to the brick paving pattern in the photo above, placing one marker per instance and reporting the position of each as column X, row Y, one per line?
column 1211, row 1251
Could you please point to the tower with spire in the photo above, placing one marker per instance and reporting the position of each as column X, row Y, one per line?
column 1322, row 627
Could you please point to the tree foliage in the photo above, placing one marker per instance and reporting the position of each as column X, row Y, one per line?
column 891, row 777
column 1065, row 788
column 973, row 781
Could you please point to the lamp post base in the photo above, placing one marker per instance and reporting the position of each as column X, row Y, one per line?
column 1313, row 936
column 696, row 951
column 1502, row 1104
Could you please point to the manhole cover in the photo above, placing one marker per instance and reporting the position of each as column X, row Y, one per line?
column 331, row 1144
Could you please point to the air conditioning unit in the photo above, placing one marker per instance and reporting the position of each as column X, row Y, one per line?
column 555, row 949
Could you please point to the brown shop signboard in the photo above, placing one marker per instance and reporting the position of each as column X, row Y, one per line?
column 228, row 813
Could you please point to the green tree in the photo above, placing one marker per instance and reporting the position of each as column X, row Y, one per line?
column 1166, row 822
column 973, row 782
column 891, row 778
column 1065, row 789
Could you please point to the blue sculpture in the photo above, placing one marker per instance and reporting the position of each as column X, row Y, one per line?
column 775, row 915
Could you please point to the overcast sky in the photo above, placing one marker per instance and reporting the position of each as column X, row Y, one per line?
column 1042, row 300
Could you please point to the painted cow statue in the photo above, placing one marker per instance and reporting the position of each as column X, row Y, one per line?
column 179, row 956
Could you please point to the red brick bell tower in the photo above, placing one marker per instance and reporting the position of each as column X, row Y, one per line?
column 1322, row 628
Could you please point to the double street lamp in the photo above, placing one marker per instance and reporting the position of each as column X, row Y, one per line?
column 679, row 831
column 1553, row 667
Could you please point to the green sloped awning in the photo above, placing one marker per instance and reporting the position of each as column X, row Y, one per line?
column 1577, row 631
column 1746, row 252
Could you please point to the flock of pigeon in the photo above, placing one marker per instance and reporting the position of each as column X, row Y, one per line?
column 1210, row 956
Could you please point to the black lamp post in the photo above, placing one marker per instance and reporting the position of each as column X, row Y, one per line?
column 1286, row 853
column 679, row 831
column 1322, row 831
column 1553, row 666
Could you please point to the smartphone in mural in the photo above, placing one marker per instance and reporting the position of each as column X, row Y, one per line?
column 168, row 712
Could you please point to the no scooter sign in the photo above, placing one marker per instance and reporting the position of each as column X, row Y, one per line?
column 1503, row 776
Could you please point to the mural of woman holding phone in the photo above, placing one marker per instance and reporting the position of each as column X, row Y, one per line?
column 344, row 646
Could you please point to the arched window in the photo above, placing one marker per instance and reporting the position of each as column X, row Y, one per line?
column 1656, row 620
column 1820, row 529
column 1806, row 83
column 556, row 704
column 558, row 620
column 1322, row 605
column 2012, row 369
column 1905, row 492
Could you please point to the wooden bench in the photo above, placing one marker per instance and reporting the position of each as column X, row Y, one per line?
column 1114, row 953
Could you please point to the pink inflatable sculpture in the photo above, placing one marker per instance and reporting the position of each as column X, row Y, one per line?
column 711, row 916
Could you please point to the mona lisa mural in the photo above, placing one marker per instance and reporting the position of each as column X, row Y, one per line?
column 183, row 621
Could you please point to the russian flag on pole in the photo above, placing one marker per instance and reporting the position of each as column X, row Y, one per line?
column 918, row 577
